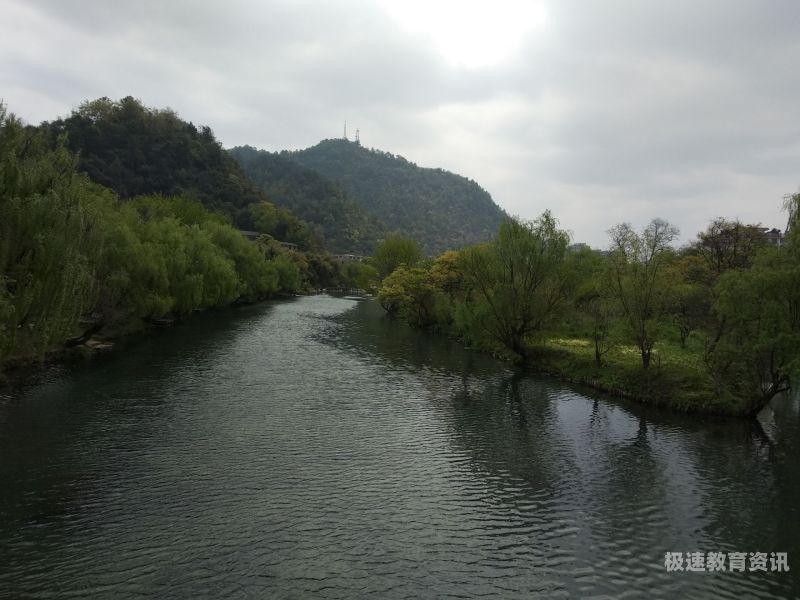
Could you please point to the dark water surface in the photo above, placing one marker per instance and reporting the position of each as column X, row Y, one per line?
column 311, row 448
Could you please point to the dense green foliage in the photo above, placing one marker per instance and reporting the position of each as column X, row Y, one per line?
column 395, row 250
column 439, row 209
column 496, row 295
column 518, row 282
column 756, row 345
column 45, row 241
column 638, row 262
column 712, row 327
column 281, row 224
column 135, row 150
column 345, row 226
column 72, row 254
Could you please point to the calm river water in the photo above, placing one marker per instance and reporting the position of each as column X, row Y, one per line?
column 314, row 449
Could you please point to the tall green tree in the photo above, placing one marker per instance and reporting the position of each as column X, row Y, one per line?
column 45, row 236
column 791, row 204
column 518, row 281
column 637, row 264
column 594, row 300
column 756, row 351
column 759, row 350
column 729, row 244
column 690, row 295
column 410, row 292
column 395, row 250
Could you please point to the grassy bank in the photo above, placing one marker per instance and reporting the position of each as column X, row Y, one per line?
column 677, row 379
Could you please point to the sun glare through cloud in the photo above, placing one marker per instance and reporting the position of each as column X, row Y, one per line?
column 470, row 34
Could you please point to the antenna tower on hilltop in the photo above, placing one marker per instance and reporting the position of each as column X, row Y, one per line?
column 345, row 130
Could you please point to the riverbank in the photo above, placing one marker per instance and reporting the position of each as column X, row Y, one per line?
column 21, row 364
column 677, row 379
column 400, row 460
column 105, row 340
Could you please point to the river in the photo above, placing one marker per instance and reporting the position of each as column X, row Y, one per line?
column 313, row 449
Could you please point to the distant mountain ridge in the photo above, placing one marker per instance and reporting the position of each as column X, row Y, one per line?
column 337, row 194
column 439, row 209
column 318, row 200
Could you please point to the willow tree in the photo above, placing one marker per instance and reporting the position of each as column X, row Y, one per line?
column 637, row 265
column 759, row 350
column 757, row 353
column 394, row 250
column 411, row 293
column 45, row 238
column 518, row 281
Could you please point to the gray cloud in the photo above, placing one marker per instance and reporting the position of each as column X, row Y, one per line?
column 614, row 110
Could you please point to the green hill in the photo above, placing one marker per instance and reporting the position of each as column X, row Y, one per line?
column 438, row 208
column 337, row 193
column 346, row 227
column 136, row 150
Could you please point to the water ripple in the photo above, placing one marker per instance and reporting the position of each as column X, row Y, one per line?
column 313, row 449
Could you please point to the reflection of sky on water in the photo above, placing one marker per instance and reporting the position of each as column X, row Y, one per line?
column 312, row 445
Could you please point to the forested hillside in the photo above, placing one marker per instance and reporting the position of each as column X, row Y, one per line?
column 345, row 225
column 134, row 150
column 336, row 194
column 75, row 261
column 438, row 208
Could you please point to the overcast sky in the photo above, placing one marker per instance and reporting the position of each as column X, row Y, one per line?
column 603, row 111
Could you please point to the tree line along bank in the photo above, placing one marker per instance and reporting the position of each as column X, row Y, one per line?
column 712, row 327
column 76, row 261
